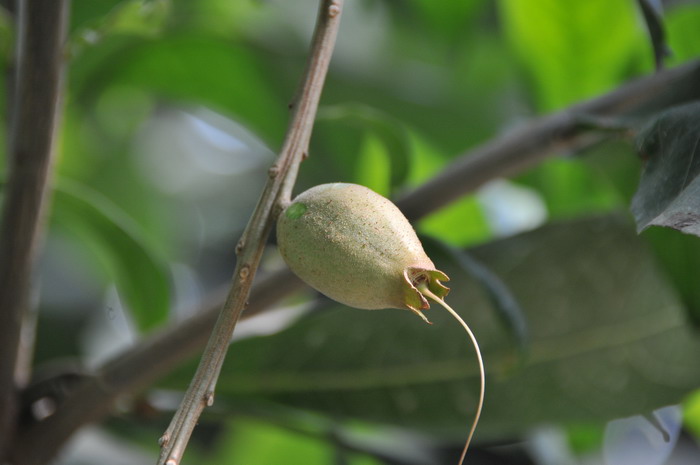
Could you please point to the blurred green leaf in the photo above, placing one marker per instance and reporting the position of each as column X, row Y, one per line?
column 191, row 68
column 502, row 299
column 461, row 223
column 691, row 413
column 669, row 191
column 682, row 26
column 570, row 187
column 447, row 18
column 131, row 17
column 585, row 437
column 349, row 130
column 679, row 255
column 572, row 50
column 141, row 278
column 603, row 323
column 374, row 166
column 250, row 441
column 83, row 12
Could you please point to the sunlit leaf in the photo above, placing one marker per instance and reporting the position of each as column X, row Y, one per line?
column 681, row 25
column 250, row 441
column 373, row 166
column 461, row 223
column 691, row 413
column 575, row 49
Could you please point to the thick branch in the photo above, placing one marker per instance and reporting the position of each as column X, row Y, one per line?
column 39, row 52
column 527, row 146
column 505, row 156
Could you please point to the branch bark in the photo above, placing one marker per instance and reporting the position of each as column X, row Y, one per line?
column 504, row 156
column 276, row 194
column 34, row 117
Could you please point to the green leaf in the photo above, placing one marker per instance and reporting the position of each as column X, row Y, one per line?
column 461, row 223
column 447, row 18
column 572, row 50
column 603, row 322
column 691, row 413
column 669, row 191
column 142, row 279
column 84, row 12
column 682, row 26
column 570, row 187
column 679, row 256
column 187, row 67
column 132, row 17
column 368, row 122
column 374, row 166
column 250, row 441
column 502, row 299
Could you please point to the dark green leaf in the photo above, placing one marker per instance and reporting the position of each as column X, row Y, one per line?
column 603, row 322
column 502, row 299
column 679, row 255
column 141, row 278
column 669, row 191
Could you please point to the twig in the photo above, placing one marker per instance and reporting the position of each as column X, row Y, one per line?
column 277, row 192
column 143, row 364
column 34, row 116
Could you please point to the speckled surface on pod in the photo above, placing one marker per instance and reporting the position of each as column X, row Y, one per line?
column 356, row 247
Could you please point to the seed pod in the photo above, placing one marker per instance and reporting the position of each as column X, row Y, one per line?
column 356, row 247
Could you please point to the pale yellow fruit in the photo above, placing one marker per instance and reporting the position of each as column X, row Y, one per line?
column 356, row 247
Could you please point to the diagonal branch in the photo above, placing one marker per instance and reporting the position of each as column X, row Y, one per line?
column 277, row 192
column 527, row 146
column 504, row 156
column 34, row 116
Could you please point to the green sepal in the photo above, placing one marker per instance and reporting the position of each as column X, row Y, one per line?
column 414, row 276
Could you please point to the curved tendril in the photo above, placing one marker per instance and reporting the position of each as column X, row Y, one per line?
column 423, row 288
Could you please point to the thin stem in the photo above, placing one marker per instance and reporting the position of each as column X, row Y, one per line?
column 35, row 107
column 423, row 288
column 200, row 393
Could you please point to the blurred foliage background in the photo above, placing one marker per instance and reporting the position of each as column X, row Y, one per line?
column 174, row 112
